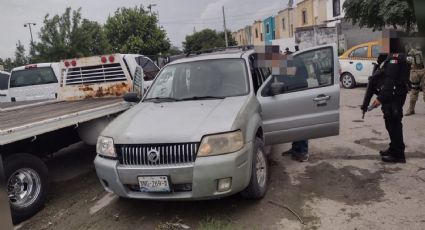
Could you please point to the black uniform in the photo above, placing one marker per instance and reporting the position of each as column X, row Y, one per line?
column 393, row 96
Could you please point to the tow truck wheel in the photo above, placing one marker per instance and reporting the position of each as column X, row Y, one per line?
column 27, row 184
column 260, row 173
column 348, row 81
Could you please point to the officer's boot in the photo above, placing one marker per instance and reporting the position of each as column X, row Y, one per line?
column 411, row 109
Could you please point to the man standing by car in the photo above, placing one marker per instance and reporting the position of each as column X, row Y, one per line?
column 392, row 96
column 417, row 78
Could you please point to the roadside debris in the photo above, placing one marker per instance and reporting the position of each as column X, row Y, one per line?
column 289, row 209
column 176, row 224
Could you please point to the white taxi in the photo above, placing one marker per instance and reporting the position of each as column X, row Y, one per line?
column 357, row 63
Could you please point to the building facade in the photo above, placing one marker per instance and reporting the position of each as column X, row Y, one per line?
column 284, row 22
column 257, row 33
column 304, row 14
column 334, row 11
column 269, row 30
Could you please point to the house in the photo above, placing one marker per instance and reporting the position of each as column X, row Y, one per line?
column 334, row 11
column 284, row 22
column 269, row 30
column 257, row 33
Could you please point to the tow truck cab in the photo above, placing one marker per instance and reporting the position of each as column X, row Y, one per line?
column 105, row 75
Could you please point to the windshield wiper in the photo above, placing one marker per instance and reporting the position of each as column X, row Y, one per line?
column 161, row 99
column 200, row 98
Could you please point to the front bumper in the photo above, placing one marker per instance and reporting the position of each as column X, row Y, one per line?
column 201, row 176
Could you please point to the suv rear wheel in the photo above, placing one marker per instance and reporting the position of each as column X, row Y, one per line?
column 260, row 173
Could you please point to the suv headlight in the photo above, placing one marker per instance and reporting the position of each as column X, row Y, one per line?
column 105, row 147
column 221, row 144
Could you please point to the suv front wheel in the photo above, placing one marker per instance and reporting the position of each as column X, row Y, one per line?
column 257, row 187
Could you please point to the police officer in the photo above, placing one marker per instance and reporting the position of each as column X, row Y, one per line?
column 417, row 78
column 392, row 97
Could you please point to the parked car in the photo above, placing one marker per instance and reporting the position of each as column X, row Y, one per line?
column 200, row 130
column 357, row 63
column 4, row 86
column 34, row 82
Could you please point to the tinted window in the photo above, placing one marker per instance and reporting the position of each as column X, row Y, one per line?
column 376, row 50
column 359, row 52
column 4, row 81
column 216, row 78
column 312, row 69
column 150, row 70
column 33, row 76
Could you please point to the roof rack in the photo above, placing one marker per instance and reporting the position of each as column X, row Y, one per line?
column 218, row 49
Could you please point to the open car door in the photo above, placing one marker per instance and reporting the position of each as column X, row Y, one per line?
column 307, row 106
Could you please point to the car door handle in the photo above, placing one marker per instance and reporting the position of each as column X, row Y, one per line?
column 3, row 95
column 351, row 62
column 321, row 98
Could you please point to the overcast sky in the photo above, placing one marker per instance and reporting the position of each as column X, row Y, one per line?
column 178, row 17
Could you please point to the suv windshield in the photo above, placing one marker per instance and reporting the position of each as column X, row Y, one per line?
column 33, row 76
column 209, row 79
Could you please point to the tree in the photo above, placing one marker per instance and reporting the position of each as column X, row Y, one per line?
column 379, row 14
column 68, row 36
column 134, row 30
column 207, row 39
column 20, row 57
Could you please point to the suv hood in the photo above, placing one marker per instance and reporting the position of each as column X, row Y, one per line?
column 175, row 122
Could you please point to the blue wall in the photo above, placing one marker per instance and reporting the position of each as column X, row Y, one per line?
column 269, row 22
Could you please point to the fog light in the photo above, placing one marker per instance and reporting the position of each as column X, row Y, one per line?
column 224, row 184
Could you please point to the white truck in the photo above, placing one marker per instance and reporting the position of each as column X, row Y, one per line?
column 4, row 86
column 89, row 97
column 34, row 82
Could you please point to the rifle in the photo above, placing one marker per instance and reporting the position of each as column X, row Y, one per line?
column 374, row 84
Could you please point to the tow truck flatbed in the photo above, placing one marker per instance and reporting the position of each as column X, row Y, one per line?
column 25, row 121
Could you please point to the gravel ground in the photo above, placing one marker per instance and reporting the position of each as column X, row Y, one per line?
column 343, row 186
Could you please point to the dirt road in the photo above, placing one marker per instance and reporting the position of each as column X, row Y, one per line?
column 344, row 186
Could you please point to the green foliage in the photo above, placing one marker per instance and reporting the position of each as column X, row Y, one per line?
column 68, row 36
column 134, row 30
column 207, row 39
column 379, row 14
column 20, row 57
column 8, row 64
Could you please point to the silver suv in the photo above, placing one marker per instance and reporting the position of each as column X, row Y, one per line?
column 200, row 130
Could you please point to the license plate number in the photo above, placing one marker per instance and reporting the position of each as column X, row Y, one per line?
column 154, row 184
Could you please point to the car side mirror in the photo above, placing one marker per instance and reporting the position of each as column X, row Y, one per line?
column 276, row 87
column 132, row 97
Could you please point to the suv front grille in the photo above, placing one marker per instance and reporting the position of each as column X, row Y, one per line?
column 157, row 154
column 95, row 74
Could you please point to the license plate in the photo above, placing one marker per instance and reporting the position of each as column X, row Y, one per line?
column 154, row 184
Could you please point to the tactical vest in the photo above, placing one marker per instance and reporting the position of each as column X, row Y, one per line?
column 417, row 59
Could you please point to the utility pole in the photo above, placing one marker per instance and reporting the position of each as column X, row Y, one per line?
column 225, row 28
column 29, row 24
column 150, row 7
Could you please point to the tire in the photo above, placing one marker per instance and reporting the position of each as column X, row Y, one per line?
column 25, row 175
column 257, row 187
column 348, row 81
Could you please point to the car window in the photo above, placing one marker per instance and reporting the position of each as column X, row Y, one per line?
column 359, row 52
column 259, row 75
column 4, row 81
column 32, row 76
column 150, row 70
column 376, row 49
column 311, row 69
column 215, row 78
